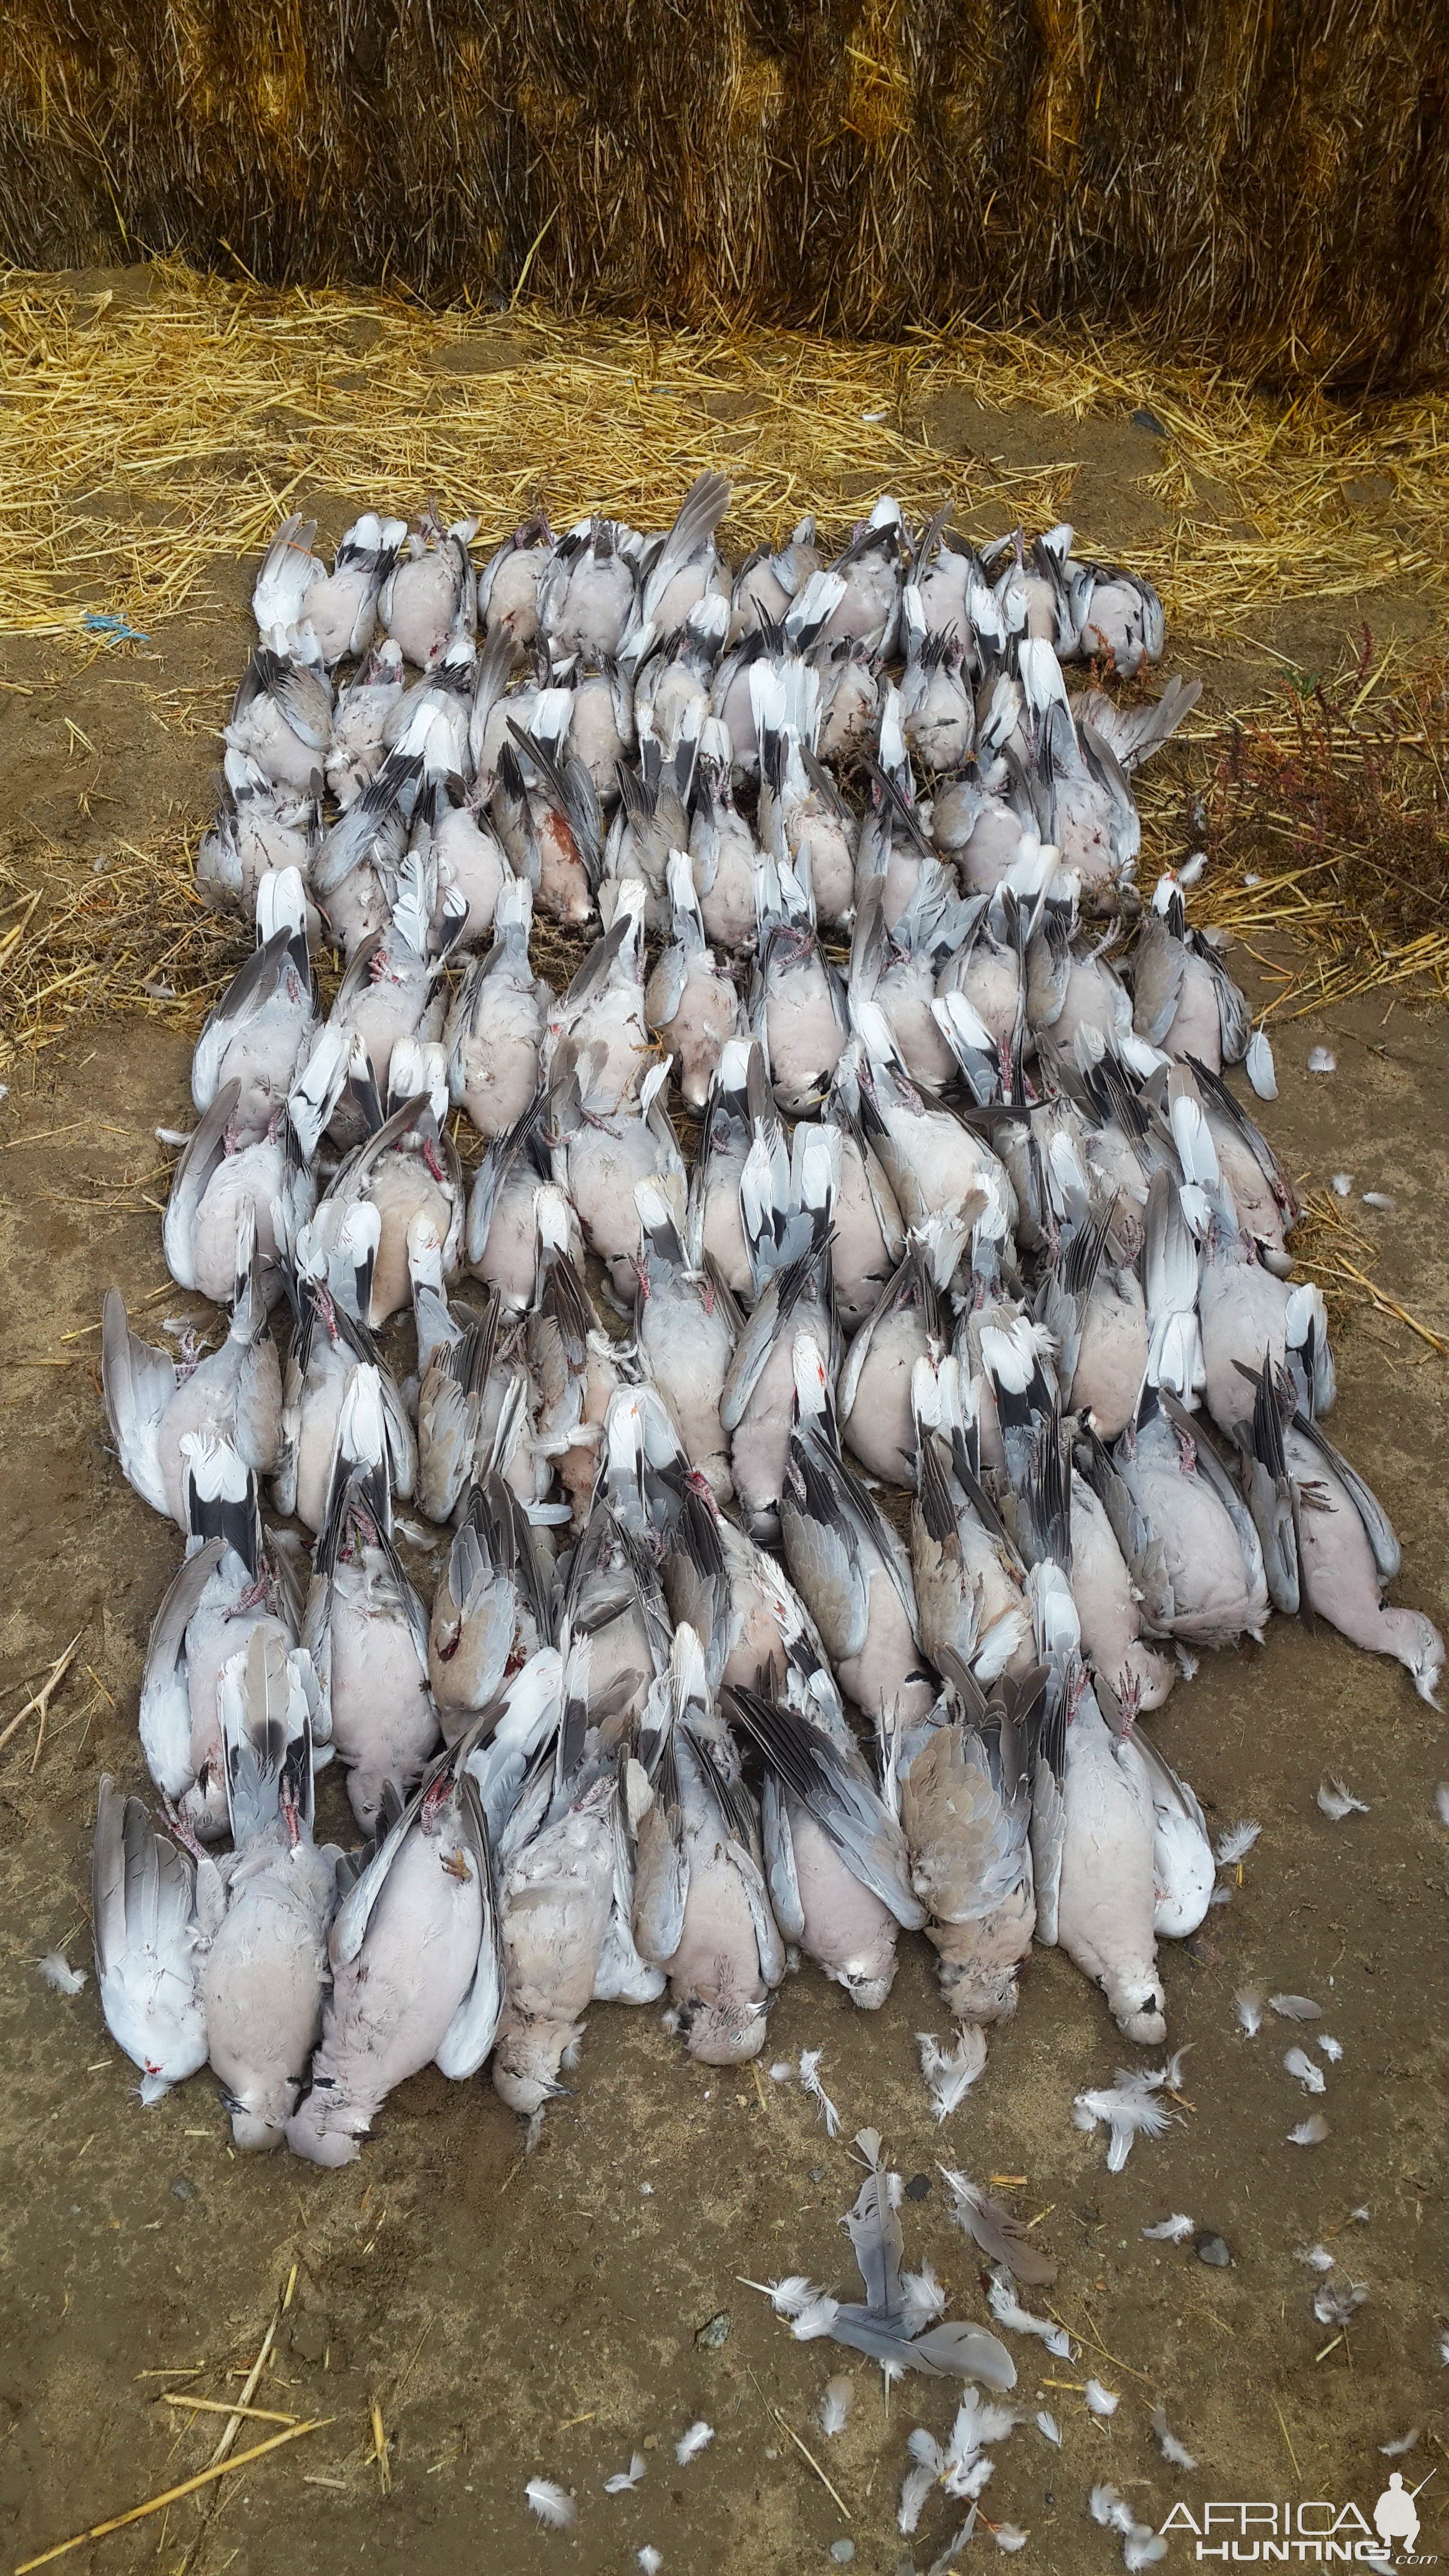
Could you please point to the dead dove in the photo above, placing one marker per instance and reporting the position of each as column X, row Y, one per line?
column 355, row 873
column 152, row 1401
column 690, row 1002
column 757, row 1408
column 1117, row 615
column 871, row 567
column 261, row 1031
column 722, row 849
column 431, row 590
column 288, row 572
column 491, row 1611
column 508, row 583
column 218, row 1188
column 737, row 1101
column 937, row 711
column 601, row 1153
column 602, row 1010
column 935, row 1165
column 342, row 607
column 835, row 1856
column 685, row 1331
column 671, row 694
column 416, row 1969
column 1347, row 1554
column 1093, row 1307
column 701, row 1907
column 327, row 1344
column 365, row 1628
column 803, row 819
column 1184, row 1869
column 969, row 1577
column 651, row 821
column 494, row 1033
column 767, row 581
column 557, row 1862
column 1184, row 1001
column 909, row 1323
column 1109, row 1608
column 257, row 830
column 797, row 1010
column 359, row 722
column 408, row 1170
column 1105, row 1885
column 964, row 1774
column 587, row 592
column 898, row 971
column 142, row 1892
column 1188, row 1540
column 684, row 568
column 223, row 1590
column 548, row 818
column 263, row 1910
column 281, row 716
column 847, row 1563
column 613, row 1596
column 869, row 1239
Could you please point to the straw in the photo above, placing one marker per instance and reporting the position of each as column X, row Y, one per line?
column 188, row 2486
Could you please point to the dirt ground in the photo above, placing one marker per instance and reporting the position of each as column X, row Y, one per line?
column 512, row 2317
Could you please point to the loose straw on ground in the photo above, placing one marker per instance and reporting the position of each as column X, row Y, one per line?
column 188, row 2486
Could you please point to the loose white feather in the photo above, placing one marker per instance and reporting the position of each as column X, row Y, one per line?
column 1337, row 1802
column 1176, row 2454
column 1250, row 2011
column 923, row 2298
column 1008, row 2311
column 1317, row 2257
column 1100, row 2400
column 836, row 2401
column 1127, row 2110
column 650, row 2560
column 690, row 2444
column 1173, row 2230
column 1296, row 2007
column 1332, row 2048
column 624, row 2479
column 1235, row 1843
column 552, row 2504
column 916, row 2485
column 1336, row 2302
column 1258, row 1066
column 951, row 2072
column 1322, row 1060
column 1048, row 2427
column 1300, row 2065
column 1309, row 2133
column 58, row 1972
column 1405, row 2442
column 1441, row 1802
column 810, row 2078
column 1007, row 2537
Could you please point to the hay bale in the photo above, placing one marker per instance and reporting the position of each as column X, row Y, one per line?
column 1265, row 184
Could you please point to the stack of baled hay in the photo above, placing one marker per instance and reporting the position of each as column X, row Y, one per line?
column 1256, row 183
column 974, row 1239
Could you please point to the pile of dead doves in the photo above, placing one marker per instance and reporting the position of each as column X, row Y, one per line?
column 973, row 1242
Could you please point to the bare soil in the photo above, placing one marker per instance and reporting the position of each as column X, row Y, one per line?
column 514, row 2316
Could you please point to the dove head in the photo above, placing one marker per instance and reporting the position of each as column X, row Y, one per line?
column 724, row 2029
column 204, row 1807
column 257, row 2129
column 1138, row 2008
column 526, row 2062
column 974, row 1991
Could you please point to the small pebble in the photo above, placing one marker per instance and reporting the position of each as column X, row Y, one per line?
column 842, row 2551
column 918, row 2186
column 714, row 2332
column 1142, row 418
column 1322, row 1060
column 1211, row 2249
column 182, row 2188
column 817, row 2173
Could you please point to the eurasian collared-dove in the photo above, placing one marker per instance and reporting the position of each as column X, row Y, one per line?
column 431, row 590
column 142, row 1891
